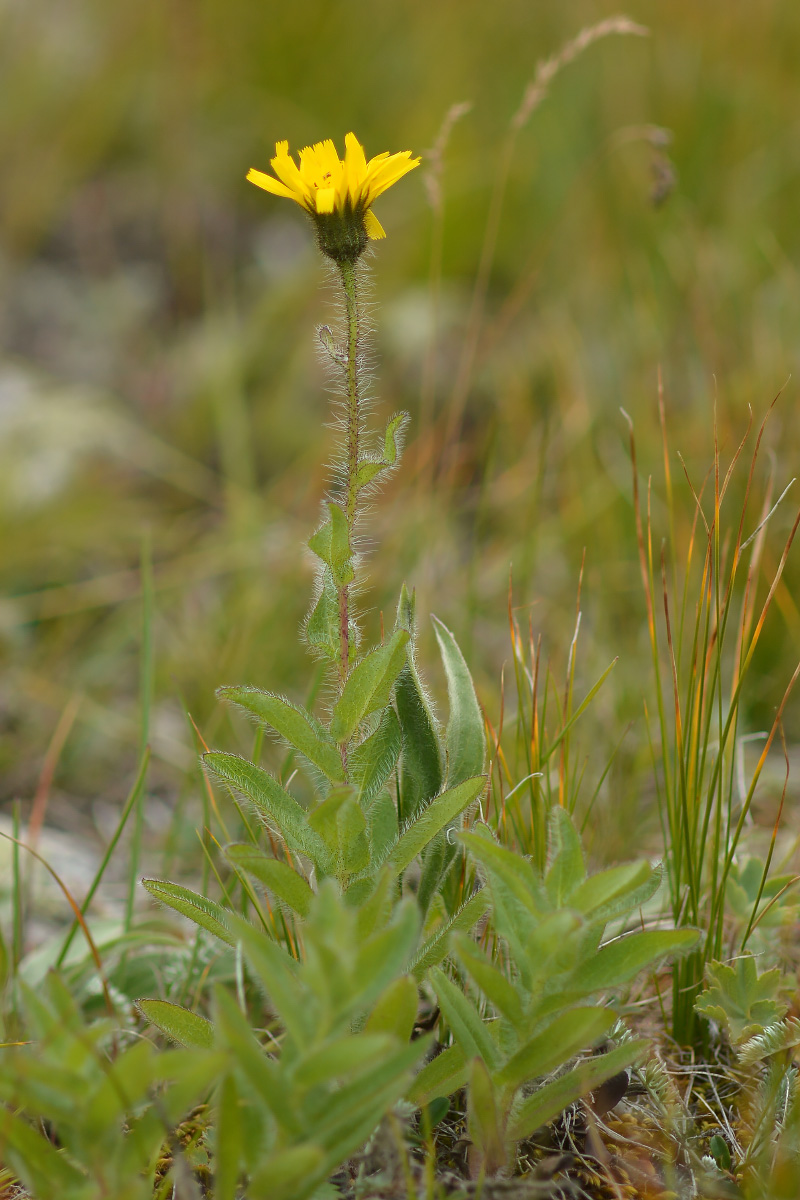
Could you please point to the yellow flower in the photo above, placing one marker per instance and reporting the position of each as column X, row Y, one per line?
column 338, row 193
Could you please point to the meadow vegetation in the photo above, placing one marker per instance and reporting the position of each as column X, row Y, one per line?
column 458, row 767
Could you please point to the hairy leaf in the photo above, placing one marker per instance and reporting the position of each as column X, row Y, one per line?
column 202, row 911
column 465, row 739
column 298, row 727
column 179, row 1024
column 273, row 802
column 287, row 884
column 369, row 686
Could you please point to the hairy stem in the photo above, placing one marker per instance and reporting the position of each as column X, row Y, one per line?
column 352, row 430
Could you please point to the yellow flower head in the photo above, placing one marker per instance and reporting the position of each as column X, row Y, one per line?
column 338, row 193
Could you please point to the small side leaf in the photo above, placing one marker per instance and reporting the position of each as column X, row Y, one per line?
column 289, row 886
column 331, row 543
column 179, row 1024
column 199, row 909
column 370, row 466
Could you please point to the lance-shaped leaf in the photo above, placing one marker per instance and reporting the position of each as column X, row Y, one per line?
column 616, row 891
column 618, row 961
column 503, row 994
column 395, row 1010
column 273, row 802
column 436, row 947
column 288, row 885
column 469, row 1028
column 566, row 869
column 466, row 739
column 572, row 1031
column 553, row 1098
column 331, row 543
column 421, row 775
column 440, row 813
column 372, row 763
column 291, row 1174
column 484, row 1123
column 298, row 727
column 278, row 974
column 200, row 909
column 369, row 686
column 370, row 466
column 179, row 1024
column 442, row 1076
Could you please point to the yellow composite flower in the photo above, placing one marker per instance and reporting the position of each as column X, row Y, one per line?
column 338, row 193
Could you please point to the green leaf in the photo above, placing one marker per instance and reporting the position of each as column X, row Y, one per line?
column 465, row 1021
column 437, row 816
column 742, row 1001
column 323, row 628
column 298, row 727
column 331, row 543
column 199, row 909
column 437, row 859
column 341, row 824
column 546, row 1103
column 339, row 1058
column 421, row 765
column 395, row 1010
column 278, row 974
column 617, row 891
column 490, row 979
column 354, row 1111
column 229, row 1141
column 373, row 762
column 556, row 1044
column 385, row 955
column 466, row 738
column 288, row 885
column 45, row 1170
column 442, row 1076
column 179, row 1024
column 617, row 962
column 436, row 947
column 369, row 686
column 290, row 1174
column 262, row 1073
column 382, row 824
column 483, row 1120
column 566, row 869
column 370, row 466
column 273, row 802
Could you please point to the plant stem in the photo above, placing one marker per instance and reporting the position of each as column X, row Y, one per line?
column 352, row 431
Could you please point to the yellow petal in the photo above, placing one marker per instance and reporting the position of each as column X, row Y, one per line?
column 355, row 166
column 262, row 180
column 388, row 173
column 373, row 226
column 326, row 198
column 285, row 168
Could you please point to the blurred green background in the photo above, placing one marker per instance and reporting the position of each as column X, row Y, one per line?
column 159, row 380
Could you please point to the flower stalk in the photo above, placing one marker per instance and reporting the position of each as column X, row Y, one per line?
column 347, row 270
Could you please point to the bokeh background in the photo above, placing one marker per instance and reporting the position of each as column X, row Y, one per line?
column 161, row 395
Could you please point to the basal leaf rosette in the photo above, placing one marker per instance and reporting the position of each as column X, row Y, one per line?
column 338, row 193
